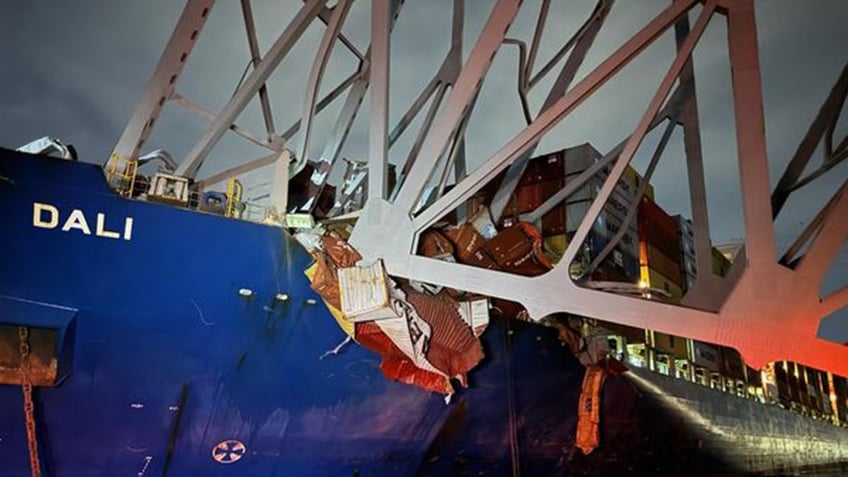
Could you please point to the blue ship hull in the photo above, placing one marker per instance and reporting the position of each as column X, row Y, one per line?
column 170, row 370
column 169, row 360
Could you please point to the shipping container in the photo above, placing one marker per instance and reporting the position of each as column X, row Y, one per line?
column 769, row 382
column 688, row 267
column 613, row 274
column 733, row 366
column 706, row 356
column 630, row 334
column 672, row 345
column 721, row 265
column 628, row 184
column 687, row 247
column 803, row 388
column 657, row 217
column 617, row 204
column 634, row 178
column 684, row 226
column 606, row 226
column 621, row 257
column 663, row 264
column 580, row 158
column 814, row 385
column 660, row 282
column 792, row 377
column 781, row 376
column 545, row 167
column 664, row 243
column 840, row 396
column 554, row 246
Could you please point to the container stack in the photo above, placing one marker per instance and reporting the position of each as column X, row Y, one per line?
column 543, row 177
column 659, row 251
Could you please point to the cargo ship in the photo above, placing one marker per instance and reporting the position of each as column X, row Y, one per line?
column 149, row 362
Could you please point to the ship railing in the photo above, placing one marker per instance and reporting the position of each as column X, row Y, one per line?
column 125, row 181
column 122, row 175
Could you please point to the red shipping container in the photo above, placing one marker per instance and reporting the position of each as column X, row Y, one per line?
column 516, row 250
column 665, row 265
column 654, row 215
column 469, row 247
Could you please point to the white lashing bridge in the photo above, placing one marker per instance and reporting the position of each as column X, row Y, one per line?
column 768, row 307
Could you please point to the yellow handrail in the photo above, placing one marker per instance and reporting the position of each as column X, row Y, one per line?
column 122, row 181
column 234, row 190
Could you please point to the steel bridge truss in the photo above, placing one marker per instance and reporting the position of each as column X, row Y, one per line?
column 768, row 307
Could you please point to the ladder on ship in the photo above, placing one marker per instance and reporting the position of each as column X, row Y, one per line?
column 121, row 175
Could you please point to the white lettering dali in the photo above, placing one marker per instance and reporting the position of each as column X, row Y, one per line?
column 46, row 216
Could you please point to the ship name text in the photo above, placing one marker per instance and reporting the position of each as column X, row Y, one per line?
column 47, row 216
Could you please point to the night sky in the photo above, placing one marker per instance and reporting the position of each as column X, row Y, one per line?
column 74, row 71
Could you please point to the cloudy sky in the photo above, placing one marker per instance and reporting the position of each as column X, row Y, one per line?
column 74, row 70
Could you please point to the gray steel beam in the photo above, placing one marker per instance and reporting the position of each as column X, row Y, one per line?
column 445, row 77
column 541, row 20
column 671, row 109
column 325, row 15
column 638, row 135
column 835, row 301
column 791, row 254
column 563, row 82
column 325, row 101
column 463, row 93
column 161, row 85
column 316, row 74
column 239, row 169
column 250, row 136
column 551, row 116
column 251, row 85
column 828, row 241
column 750, row 128
column 255, row 58
column 764, row 294
column 705, row 289
column 826, row 117
column 378, row 144
column 634, row 206
column 413, row 110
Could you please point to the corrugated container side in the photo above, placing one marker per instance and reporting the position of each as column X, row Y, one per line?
column 840, row 387
column 706, row 356
column 620, row 257
column 664, row 283
column 580, row 158
column 547, row 167
column 732, row 363
column 803, row 388
column 657, row 217
column 670, row 344
column 663, row 264
column 754, row 377
column 814, row 384
column 684, row 226
column 781, row 375
column 608, row 225
column 667, row 244
column 794, row 387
